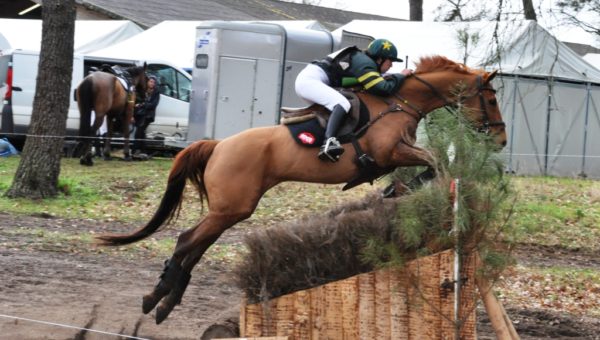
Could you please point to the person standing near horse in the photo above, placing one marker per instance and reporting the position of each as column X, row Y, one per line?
column 316, row 83
column 144, row 114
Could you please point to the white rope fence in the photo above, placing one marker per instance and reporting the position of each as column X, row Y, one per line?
column 69, row 326
column 69, row 137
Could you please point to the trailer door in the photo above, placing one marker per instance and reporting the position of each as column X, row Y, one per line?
column 235, row 96
column 266, row 93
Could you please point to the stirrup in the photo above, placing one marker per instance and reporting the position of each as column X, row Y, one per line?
column 331, row 150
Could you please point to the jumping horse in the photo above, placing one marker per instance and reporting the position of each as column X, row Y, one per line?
column 111, row 97
column 233, row 174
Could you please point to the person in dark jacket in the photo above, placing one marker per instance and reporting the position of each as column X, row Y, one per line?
column 316, row 83
column 144, row 114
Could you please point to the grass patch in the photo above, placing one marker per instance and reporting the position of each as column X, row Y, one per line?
column 107, row 191
column 557, row 211
column 548, row 211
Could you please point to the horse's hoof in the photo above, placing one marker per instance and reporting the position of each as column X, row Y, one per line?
column 86, row 162
column 149, row 302
column 396, row 189
column 173, row 299
column 163, row 311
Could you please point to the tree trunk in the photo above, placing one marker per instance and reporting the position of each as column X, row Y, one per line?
column 416, row 10
column 528, row 10
column 39, row 168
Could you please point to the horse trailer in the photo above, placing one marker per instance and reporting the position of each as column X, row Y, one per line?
column 245, row 71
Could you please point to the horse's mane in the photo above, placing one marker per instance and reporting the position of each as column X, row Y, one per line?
column 134, row 70
column 439, row 63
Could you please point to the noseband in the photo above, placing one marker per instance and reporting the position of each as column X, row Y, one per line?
column 487, row 123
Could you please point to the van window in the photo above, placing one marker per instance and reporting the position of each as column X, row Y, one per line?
column 171, row 82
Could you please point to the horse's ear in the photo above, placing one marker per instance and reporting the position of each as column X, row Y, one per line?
column 490, row 76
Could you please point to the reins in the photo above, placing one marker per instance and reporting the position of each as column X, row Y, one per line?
column 368, row 168
column 485, row 127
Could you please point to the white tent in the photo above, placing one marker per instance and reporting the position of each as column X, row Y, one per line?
column 90, row 35
column 593, row 58
column 549, row 95
column 171, row 41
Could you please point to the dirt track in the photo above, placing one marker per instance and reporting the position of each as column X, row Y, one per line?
column 62, row 284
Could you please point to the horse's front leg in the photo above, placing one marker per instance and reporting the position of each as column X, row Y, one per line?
column 410, row 155
column 127, row 124
column 107, row 139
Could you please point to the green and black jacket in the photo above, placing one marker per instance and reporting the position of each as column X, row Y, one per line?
column 354, row 63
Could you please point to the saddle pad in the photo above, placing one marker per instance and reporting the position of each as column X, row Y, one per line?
column 124, row 83
column 308, row 133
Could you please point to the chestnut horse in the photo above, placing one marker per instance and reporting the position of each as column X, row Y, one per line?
column 104, row 93
column 233, row 174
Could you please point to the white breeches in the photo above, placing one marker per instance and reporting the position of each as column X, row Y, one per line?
column 312, row 85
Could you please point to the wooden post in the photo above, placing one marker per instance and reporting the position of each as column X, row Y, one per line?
column 500, row 322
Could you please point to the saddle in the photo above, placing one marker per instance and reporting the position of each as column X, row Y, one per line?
column 314, row 120
column 116, row 70
column 307, row 127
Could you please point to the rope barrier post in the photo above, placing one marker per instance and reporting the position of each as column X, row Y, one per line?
column 455, row 232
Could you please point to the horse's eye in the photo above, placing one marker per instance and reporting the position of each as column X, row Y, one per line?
column 492, row 102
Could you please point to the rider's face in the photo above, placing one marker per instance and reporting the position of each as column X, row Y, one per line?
column 386, row 65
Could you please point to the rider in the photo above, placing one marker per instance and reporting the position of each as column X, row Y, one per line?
column 316, row 81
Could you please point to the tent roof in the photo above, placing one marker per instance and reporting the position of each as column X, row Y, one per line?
column 90, row 35
column 524, row 47
column 156, row 11
column 593, row 58
column 173, row 42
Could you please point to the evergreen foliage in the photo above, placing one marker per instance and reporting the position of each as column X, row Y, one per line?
column 425, row 218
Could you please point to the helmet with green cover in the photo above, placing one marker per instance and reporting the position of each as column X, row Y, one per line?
column 384, row 49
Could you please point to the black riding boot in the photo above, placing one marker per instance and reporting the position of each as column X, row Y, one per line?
column 331, row 149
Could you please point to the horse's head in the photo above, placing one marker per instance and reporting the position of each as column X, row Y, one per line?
column 481, row 107
column 454, row 84
column 139, row 78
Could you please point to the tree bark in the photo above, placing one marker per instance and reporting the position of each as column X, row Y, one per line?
column 416, row 10
column 529, row 10
column 39, row 168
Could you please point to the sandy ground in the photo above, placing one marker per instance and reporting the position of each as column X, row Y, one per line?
column 70, row 287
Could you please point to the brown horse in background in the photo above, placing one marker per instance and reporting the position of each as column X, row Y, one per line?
column 104, row 93
column 233, row 174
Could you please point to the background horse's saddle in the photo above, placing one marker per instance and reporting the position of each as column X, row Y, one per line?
column 116, row 70
column 298, row 115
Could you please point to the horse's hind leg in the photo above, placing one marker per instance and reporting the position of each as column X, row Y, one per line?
column 86, row 153
column 191, row 245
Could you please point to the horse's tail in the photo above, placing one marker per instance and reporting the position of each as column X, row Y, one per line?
column 189, row 164
column 85, row 102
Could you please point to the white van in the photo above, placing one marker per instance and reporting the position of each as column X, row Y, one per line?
column 18, row 73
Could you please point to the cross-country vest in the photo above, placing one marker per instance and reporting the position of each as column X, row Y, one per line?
column 337, row 64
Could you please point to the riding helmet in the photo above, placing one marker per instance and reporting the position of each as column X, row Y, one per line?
column 383, row 48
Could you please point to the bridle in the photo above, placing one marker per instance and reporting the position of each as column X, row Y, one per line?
column 448, row 104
